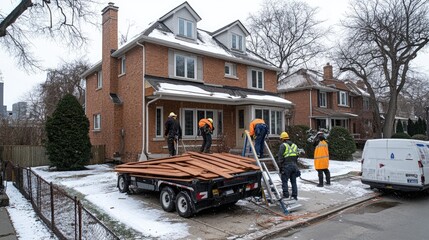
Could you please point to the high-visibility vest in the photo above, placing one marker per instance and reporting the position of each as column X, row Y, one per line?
column 203, row 122
column 321, row 156
column 290, row 151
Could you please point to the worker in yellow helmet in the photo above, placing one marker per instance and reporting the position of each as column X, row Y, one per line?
column 288, row 159
column 206, row 130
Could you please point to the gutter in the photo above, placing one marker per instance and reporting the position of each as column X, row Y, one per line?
column 143, row 156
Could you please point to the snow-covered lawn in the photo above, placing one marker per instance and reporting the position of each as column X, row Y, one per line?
column 98, row 186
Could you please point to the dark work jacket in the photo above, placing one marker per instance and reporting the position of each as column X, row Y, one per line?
column 172, row 128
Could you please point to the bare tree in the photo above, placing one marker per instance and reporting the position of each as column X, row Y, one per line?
column 384, row 37
column 286, row 33
column 415, row 96
column 61, row 20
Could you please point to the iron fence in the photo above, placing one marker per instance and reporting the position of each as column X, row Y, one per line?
column 63, row 214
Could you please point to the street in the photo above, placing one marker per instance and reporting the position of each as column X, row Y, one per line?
column 392, row 216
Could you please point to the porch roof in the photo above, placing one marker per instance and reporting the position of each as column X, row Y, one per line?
column 173, row 89
column 324, row 112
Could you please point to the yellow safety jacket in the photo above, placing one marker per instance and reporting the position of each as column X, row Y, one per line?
column 290, row 151
column 321, row 156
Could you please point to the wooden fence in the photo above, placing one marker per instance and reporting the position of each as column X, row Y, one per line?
column 33, row 156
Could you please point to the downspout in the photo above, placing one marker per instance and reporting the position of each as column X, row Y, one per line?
column 311, row 108
column 143, row 156
column 147, row 125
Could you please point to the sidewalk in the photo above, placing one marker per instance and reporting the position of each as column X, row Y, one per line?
column 7, row 232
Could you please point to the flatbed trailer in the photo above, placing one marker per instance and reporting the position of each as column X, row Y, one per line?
column 191, row 182
column 190, row 197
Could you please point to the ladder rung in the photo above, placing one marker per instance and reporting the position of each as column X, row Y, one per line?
column 265, row 159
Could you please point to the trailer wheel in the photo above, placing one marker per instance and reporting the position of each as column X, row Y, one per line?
column 184, row 205
column 123, row 184
column 166, row 198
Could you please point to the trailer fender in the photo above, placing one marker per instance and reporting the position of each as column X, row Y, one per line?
column 162, row 182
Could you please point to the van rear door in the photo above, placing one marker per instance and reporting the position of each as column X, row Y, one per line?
column 374, row 152
column 401, row 167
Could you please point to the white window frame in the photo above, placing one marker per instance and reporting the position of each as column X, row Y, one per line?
column 323, row 98
column 343, row 99
column 237, row 42
column 275, row 127
column 97, row 122
column 232, row 70
column 186, row 58
column 217, row 114
column 257, row 71
column 123, row 65
column 159, row 125
column 365, row 103
column 99, row 79
column 186, row 31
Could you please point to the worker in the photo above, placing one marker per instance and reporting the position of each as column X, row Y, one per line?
column 288, row 159
column 206, row 129
column 173, row 132
column 258, row 130
column 321, row 158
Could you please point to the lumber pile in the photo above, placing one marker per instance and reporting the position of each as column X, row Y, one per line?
column 191, row 165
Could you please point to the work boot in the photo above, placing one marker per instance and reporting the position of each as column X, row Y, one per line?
column 320, row 185
column 294, row 198
column 328, row 183
column 328, row 177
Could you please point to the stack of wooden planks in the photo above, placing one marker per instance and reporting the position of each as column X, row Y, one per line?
column 191, row 165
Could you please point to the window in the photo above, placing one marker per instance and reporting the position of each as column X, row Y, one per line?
column 99, row 79
column 185, row 66
column 159, row 122
column 322, row 99
column 343, row 98
column 123, row 66
column 186, row 28
column 365, row 104
column 230, row 70
column 273, row 118
column 241, row 119
column 97, row 121
column 257, row 79
column 193, row 116
column 237, row 42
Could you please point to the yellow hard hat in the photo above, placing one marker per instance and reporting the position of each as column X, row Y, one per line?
column 210, row 120
column 284, row 135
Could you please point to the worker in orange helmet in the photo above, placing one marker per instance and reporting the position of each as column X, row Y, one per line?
column 206, row 130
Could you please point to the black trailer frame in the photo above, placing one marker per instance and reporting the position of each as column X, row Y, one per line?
column 190, row 197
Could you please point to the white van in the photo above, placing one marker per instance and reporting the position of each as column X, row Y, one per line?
column 400, row 164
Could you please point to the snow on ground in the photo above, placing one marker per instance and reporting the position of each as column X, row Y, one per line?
column 98, row 184
column 27, row 224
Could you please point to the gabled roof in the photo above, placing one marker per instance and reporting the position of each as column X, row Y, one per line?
column 319, row 112
column 352, row 86
column 183, row 5
column 229, row 26
column 197, row 91
column 303, row 79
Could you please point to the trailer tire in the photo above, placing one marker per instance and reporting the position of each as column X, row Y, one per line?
column 123, row 184
column 167, row 198
column 184, row 205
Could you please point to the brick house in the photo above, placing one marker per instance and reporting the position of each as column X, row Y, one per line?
column 321, row 101
column 173, row 66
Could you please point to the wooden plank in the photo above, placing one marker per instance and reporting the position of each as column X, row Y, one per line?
column 219, row 163
column 246, row 159
column 244, row 164
column 188, row 170
column 151, row 172
column 210, row 168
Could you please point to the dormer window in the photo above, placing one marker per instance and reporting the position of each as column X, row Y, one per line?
column 186, row 28
column 237, row 42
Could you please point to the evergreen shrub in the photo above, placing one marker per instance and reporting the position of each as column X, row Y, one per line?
column 401, row 135
column 341, row 144
column 68, row 145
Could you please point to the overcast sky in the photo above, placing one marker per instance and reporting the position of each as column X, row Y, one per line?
column 138, row 14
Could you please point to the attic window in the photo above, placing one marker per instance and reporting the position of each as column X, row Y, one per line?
column 186, row 28
column 115, row 98
column 237, row 42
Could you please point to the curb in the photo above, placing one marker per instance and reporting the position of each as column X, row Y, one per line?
column 261, row 235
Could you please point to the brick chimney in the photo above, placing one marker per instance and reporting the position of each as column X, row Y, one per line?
column 327, row 72
column 109, row 44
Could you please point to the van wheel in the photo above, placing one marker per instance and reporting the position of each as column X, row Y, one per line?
column 123, row 183
column 166, row 198
column 184, row 205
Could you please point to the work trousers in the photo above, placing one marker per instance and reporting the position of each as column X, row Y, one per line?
column 171, row 142
column 327, row 175
column 289, row 172
column 260, row 132
column 207, row 141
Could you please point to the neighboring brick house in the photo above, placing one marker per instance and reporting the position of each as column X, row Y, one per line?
column 185, row 70
column 324, row 102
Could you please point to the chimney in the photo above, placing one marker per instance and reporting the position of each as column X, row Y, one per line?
column 109, row 43
column 327, row 72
